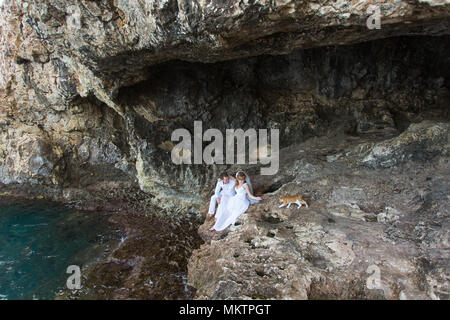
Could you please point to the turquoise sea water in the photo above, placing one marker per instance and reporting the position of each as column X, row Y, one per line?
column 39, row 240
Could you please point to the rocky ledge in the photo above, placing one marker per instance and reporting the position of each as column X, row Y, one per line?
column 374, row 229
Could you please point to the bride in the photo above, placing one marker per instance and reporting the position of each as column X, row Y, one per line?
column 230, row 211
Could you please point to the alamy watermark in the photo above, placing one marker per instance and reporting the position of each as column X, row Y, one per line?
column 374, row 20
column 73, row 18
column 74, row 281
column 374, row 280
column 260, row 148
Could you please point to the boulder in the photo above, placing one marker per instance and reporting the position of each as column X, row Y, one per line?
column 421, row 141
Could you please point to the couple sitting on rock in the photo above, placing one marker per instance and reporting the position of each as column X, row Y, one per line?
column 233, row 195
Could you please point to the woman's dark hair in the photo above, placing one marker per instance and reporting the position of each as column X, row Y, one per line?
column 223, row 175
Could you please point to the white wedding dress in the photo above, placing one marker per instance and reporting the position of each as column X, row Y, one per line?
column 231, row 210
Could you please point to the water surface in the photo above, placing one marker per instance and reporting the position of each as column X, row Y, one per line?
column 40, row 239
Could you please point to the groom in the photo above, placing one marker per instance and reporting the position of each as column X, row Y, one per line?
column 224, row 190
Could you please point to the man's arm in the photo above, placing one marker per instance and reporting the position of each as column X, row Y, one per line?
column 218, row 188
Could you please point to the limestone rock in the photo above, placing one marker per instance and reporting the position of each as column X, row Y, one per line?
column 27, row 157
column 369, row 233
column 419, row 141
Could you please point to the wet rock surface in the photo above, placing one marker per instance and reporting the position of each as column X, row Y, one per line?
column 148, row 263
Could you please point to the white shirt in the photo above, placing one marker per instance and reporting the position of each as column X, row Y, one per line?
column 225, row 188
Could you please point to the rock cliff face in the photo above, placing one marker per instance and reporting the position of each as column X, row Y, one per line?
column 84, row 93
column 90, row 92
